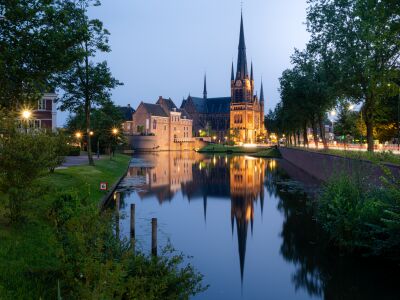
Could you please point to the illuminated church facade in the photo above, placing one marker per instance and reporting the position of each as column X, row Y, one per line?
column 239, row 117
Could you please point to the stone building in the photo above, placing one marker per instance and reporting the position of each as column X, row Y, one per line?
column 161, row 126
column 240, row 116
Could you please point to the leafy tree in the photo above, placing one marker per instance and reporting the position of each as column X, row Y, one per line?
column 362, row 38
column 104, row 119
column 38, row 40
column 88, row 84
column 23, row 159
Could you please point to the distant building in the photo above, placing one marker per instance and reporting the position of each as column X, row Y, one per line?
column 241, row 115
column 161, row 126
column 127, row 113
column 44, row 114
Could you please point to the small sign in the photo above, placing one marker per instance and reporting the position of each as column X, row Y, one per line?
column 103, row 186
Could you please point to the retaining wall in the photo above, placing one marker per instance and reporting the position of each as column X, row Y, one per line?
column 324, row 166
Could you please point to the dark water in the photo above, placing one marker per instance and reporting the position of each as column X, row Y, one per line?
column 247, row 224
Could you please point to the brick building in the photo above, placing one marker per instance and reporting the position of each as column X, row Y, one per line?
column 161, row 126
column 44, row 114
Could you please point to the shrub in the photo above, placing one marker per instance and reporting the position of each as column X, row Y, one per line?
column 358, row 218
column 74, row 151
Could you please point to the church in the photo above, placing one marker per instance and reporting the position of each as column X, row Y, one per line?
column 240, row 117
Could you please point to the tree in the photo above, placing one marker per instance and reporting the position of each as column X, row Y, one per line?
column 88, row 84
column 362, row 38
column 24, row 157
column 103, row 119
column 38, row 40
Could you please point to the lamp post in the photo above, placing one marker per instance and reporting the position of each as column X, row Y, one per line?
column 26, row 115
column 114, row 132
column 333, row 114
column 78, row 135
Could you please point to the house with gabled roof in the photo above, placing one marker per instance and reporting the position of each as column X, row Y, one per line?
column 161, row 126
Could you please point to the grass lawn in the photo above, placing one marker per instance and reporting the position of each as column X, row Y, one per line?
column 85, row 180
column 218, row 148
column 29, row 251
column 375, row 157
column 268, row 153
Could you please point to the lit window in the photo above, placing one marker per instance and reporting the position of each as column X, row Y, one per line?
column 42, row 104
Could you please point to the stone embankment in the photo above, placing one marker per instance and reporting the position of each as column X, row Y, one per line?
column 325, row 166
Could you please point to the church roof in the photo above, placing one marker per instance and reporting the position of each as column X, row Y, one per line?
column 210, row 105
column 218, row 105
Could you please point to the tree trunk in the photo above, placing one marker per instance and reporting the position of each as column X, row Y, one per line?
column 315, row 131
column 295, row 141
column 87, row 112
column 322, row 131
column 369, row 122
column 305, row 135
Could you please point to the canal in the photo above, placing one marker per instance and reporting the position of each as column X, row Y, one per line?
column 247, row 225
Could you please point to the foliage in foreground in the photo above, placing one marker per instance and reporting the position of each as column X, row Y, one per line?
column 362, row 218
column 89, row 261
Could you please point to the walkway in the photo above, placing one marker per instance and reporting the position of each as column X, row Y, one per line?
column 78, row 160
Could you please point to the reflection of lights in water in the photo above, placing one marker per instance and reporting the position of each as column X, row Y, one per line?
column 250, row 158
column 226, row 159
column 249, row 145
column 248, row 213
column 214, row 160
column 272, row 164
column 200, row 166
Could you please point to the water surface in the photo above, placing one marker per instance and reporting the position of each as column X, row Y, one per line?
column 248, row 227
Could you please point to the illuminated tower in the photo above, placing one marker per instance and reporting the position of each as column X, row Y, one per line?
column 245, row 108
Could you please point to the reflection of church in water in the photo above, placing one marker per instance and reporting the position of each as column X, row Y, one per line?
column 239, row 178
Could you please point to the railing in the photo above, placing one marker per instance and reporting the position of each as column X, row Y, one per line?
column 184, row 140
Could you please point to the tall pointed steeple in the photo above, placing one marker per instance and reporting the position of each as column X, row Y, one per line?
column 232, row 73
column 241, row 72
column 251, row 72
column 262, row 92
column 205, row 87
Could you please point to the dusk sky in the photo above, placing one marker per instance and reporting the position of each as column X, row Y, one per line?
column 163, row 48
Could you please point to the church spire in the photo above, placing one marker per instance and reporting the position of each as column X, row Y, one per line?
column 241, row 72
column 251, row 72
column 232, row 73
column 205, row 87
column 262, row 92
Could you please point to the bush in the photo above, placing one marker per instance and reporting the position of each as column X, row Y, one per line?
column 74, row 151
column 96, row 264
column 364, row 219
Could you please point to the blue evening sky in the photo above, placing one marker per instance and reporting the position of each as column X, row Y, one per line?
column 163, row 48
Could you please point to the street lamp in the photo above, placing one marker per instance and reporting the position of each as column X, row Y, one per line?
column 26, row 115
column 78, row 135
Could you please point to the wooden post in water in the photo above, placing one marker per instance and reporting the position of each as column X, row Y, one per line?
column 133, row 226
column 117, row 198
column 154, row 236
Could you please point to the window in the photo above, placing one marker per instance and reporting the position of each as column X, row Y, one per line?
column 154, row 124
column 42, row 104
column 165, row 127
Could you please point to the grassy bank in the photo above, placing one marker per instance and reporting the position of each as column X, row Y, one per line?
column 85, row 180
column 268, row 153
column 253, row 151
column 64, row 241
column 375, row 157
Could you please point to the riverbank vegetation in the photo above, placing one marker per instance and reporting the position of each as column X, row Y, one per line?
column 362, row 218
column 63, row 240
column 253, row 151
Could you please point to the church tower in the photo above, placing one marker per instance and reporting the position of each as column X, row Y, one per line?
column 246, row 120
